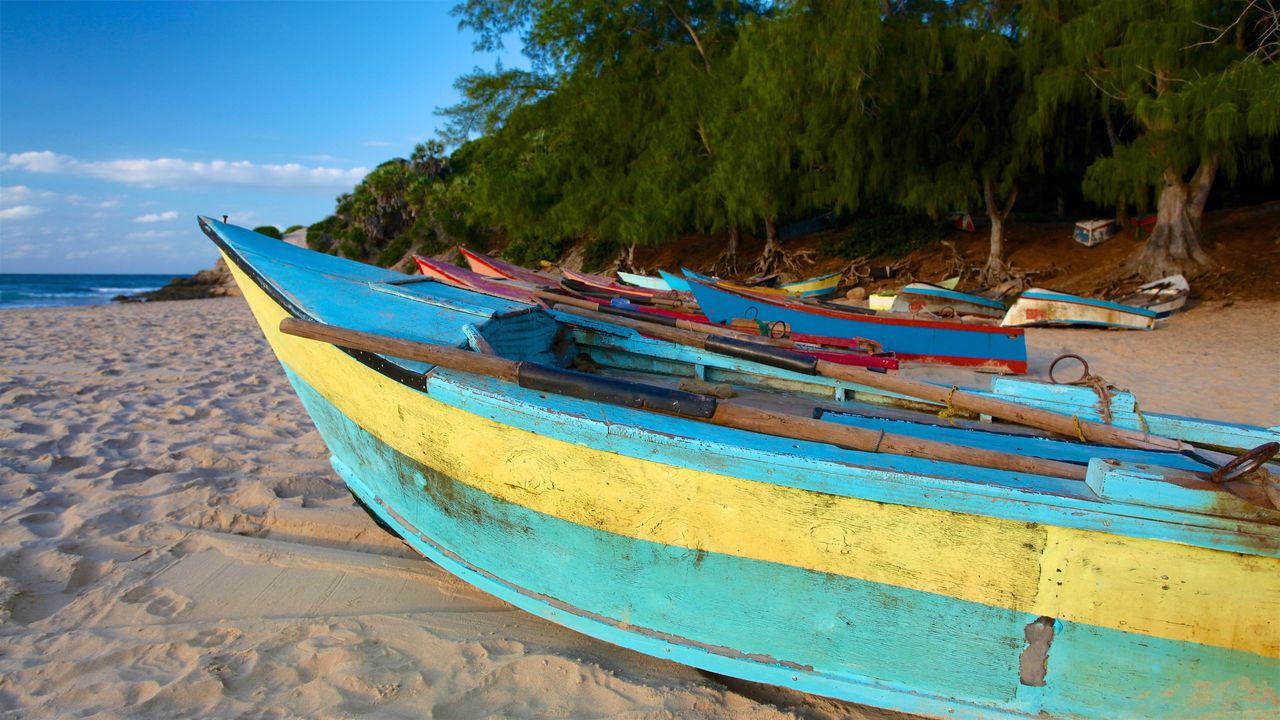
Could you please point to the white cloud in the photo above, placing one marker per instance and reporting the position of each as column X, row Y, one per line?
column 20, row 212
column 15, row 194
column 24, row 250
column 150, row 234
column 176, row 171
column 165, row 216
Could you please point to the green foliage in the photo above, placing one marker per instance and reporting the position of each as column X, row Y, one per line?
column 394, row 251
column 1187, row 87
column 294, row 228
column 269, row 231
column 884, row 236
column 639, row 122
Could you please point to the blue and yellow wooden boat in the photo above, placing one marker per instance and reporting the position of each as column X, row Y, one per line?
column 926, row 586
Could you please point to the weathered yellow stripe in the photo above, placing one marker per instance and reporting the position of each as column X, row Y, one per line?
column 1144, row 586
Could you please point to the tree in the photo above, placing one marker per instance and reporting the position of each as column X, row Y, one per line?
column 1197, row 81
column 616, row 150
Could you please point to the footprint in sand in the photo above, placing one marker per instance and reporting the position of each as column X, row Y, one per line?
column 42, row 524
column 133, row 476
column 161, row 602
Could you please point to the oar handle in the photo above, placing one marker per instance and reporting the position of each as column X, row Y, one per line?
column 442, row 355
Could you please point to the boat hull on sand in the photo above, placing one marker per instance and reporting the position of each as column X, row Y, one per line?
column 934, row 341
column 917, row 585
column 945, row 302
column 1039, row 307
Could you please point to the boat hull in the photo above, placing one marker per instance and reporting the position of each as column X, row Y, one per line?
column 495, row 268
column 922, row 297
column 813, row 287
column 949, row 343
column 662, row 540
column 606, row 285
column 645, row 281
column 1037, row 307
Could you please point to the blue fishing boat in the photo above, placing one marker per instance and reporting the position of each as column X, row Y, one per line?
column 877, row 559
column 965, row 343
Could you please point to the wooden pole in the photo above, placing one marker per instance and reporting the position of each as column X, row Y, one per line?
column 701, row 328
column 1068, row 426
column 442, row 355
column 726, row 414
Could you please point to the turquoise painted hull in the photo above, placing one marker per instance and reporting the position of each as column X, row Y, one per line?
column 675, row 281
column 876, row 644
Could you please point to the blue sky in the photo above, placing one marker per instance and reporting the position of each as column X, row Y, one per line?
column 120, row 122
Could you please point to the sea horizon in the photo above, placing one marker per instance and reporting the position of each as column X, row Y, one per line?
column 34, row 290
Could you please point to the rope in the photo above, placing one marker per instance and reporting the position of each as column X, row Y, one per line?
column 1079, row 430
column 1101, row 387
column 1142, row 420
column 950, row 411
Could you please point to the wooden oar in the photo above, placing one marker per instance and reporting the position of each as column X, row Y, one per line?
column 648, row 397
column 1068, row 426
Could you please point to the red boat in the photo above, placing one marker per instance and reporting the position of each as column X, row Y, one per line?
column 461, row 277
column 494, row 268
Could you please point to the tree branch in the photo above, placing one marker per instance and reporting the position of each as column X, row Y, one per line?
column 1104, row 91
column 692, row 34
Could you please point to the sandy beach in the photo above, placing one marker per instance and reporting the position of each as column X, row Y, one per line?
column 174, row 543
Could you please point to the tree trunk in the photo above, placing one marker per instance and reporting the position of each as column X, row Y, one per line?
column 995, row 271
column 727, row 264
column 1174, row 245
column 627, row 259
column 1122, row 208
column 769, row 256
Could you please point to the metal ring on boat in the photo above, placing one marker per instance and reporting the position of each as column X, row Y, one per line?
column 1083, row 375
column 1246, row 463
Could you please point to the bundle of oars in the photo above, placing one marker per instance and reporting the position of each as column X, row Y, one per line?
column 1237, row 475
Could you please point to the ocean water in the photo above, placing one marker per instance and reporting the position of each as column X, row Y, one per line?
column 25, row 291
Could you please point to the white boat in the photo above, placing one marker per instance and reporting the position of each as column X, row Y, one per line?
column 1038, row 306
column 1165, row 296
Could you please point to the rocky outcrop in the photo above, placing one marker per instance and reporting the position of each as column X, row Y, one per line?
column 214, row 282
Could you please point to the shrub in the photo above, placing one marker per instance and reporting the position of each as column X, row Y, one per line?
column 269, row 231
